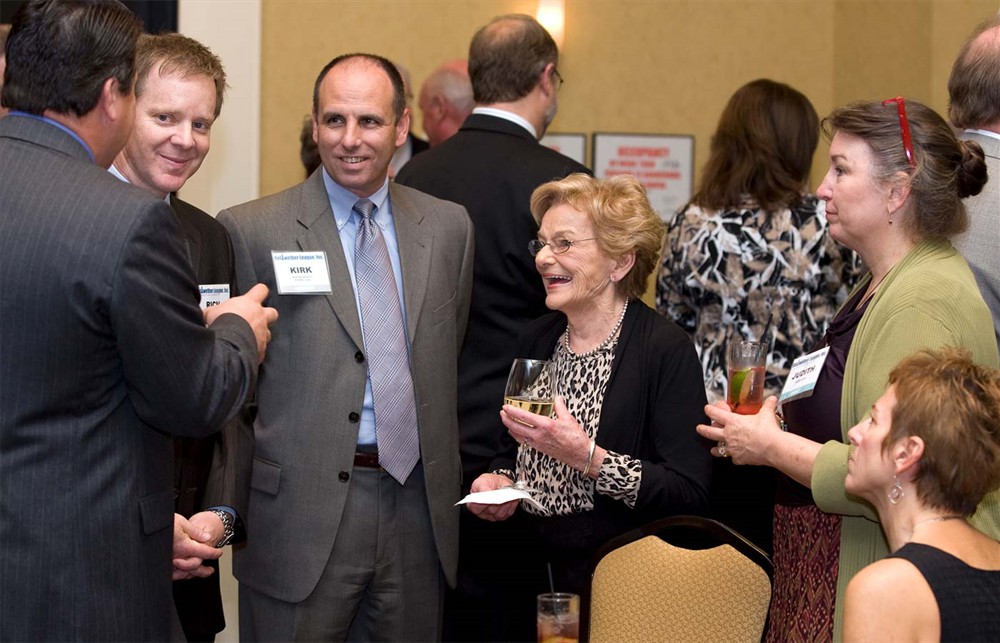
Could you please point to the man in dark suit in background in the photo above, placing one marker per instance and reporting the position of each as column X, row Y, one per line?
column 491, row 166
column 179, row 89
column 104, row 350
column 352, row 529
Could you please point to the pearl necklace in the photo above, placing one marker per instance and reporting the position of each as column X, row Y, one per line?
column 604, row 344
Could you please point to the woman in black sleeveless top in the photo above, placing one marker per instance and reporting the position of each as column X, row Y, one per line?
column 925, row 457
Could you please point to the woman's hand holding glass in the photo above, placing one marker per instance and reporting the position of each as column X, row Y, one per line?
column 748, row 439
column 561, row 437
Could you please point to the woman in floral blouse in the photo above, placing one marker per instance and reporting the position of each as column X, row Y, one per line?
column 750, row 249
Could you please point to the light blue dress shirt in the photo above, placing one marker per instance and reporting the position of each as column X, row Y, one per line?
column 342, row 203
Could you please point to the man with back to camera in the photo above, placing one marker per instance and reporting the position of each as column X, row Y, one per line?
column 491, row 166
column 445, row 101
column 352, row 528
column 974, row 105
column 105, row 351
column 180, row 86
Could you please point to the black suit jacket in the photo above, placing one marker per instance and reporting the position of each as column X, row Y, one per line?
column 418, row 145
column 103, row 354
column 201, row 465
column 491, row 166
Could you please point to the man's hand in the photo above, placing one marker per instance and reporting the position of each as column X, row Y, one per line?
column 191, row 548
column 250, row 307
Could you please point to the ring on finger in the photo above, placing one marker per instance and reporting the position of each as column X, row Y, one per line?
column 723, row 452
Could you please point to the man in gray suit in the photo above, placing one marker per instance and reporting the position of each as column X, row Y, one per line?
column 352, row 530
column 974, row 106
column 104, row 349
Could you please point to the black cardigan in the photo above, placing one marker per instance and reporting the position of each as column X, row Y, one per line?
column 654, row 399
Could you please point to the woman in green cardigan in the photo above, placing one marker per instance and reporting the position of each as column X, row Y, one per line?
column 893, row 192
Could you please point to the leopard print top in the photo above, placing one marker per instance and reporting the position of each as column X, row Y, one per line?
column 561, row 489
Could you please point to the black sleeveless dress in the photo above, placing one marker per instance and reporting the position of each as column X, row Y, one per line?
column 968, row 598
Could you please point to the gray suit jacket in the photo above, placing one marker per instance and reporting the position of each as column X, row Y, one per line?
column 980, row 244
column 311, row 386
column 103, row 351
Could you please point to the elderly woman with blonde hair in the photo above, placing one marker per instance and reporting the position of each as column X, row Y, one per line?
column 621, row 449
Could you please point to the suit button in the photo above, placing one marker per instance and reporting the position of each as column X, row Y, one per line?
column 359, row 357
column 344, row 476
column 353, row 417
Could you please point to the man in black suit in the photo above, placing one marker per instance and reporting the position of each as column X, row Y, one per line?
column 179, row 89
column 105, row 352
column 491, row 166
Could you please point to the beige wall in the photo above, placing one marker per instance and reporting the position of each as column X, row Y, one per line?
column 666, row 66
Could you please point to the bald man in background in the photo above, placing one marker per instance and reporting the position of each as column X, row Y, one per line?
column 446, row 100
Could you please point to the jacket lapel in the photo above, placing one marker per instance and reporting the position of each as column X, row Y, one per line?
column 415, row 245
column 319, row 232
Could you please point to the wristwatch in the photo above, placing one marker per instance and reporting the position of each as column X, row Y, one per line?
column 227, row 526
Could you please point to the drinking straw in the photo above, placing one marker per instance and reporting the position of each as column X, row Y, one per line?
column 767, row 327
column 552, row 585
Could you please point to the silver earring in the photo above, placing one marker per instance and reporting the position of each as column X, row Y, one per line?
column 896, row 491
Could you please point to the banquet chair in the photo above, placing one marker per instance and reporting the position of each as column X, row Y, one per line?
column 683, row 578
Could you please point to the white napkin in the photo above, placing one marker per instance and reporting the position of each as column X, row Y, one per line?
column 500, row 496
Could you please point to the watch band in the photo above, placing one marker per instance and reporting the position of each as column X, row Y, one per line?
column 228, row 530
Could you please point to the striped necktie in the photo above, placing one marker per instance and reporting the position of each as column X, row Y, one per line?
column 385, row 344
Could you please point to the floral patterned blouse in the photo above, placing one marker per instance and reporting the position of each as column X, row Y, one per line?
column 725, row 273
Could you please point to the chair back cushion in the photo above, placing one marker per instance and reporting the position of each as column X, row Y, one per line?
column 650, row 590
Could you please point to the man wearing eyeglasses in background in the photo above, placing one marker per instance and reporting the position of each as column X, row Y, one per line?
column 491, row 166
column 974, row 105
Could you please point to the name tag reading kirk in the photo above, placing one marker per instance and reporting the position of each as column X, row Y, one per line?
column 301, row 273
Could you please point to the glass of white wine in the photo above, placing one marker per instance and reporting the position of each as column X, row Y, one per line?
column 531, row 385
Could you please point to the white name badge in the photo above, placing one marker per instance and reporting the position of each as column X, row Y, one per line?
column 803, row 375
column 301, row 273
column 213, row 294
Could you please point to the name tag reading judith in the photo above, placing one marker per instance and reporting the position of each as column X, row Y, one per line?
column 213, row 294
column 301, row 273
column 803, row 375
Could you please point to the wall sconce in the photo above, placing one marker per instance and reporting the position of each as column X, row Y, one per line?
column 551, row 14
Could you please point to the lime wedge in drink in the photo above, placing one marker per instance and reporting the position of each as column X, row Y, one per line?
column 736, row 391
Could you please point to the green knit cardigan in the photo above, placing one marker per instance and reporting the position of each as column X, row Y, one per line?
column 929, row 299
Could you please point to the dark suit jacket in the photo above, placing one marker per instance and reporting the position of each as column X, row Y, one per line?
column 491, row 166
column 418, row 145
column 312, row 385
column 202, row 465
column 103, row 352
